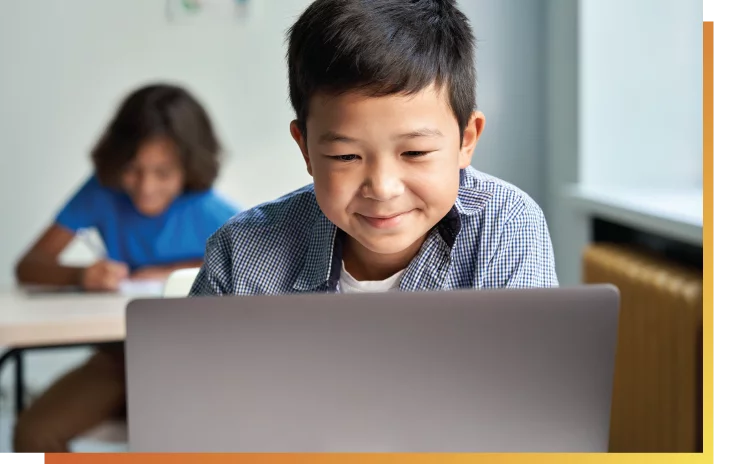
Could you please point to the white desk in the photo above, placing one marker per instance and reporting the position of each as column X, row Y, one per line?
column 60, row 319
column 30, row 321
column 66, row 318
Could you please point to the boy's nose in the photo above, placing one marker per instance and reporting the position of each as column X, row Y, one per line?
column 382, row 184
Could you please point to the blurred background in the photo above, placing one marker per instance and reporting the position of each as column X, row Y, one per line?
column 594, row 108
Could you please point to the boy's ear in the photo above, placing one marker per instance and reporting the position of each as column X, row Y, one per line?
column 471, row 135
column 297, row 134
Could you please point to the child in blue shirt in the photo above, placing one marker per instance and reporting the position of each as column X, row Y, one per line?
column 384, row 96
column 151, row 200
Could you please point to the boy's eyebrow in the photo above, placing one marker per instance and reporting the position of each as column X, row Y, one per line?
column 422, row 132
column 331, row 137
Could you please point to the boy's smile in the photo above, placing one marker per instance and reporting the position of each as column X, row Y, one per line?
column 385, row 221
column 386, row 169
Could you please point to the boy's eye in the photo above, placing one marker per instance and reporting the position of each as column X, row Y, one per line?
column 415, row 154
column 345, row 157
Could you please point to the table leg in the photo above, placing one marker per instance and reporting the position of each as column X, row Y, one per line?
column 20, row 384
column 16, row 356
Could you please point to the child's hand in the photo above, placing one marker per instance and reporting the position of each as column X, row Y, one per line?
column 152, row 273
column 104, row 275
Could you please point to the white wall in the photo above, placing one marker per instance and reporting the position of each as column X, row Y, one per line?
column 65, row 65
column 641, row 93
column 510, row 71
column 568, row 229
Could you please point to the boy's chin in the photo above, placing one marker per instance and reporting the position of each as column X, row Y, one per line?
column 392, row 245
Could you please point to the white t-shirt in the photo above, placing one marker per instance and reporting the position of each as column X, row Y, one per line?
column 349, row 284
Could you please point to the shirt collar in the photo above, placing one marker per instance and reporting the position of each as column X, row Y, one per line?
column 322, row 260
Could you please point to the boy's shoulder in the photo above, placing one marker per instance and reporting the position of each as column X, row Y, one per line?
column 289, row 215
column 261, row 250
column 493, row 197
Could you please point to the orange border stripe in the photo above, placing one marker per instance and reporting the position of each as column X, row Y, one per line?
column 372, row 458
column 708, row 319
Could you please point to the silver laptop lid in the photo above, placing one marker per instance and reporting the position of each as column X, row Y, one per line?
column 463, row 371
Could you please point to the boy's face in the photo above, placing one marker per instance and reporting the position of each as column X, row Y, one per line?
column 386, row 169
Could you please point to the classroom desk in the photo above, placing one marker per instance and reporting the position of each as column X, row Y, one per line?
column 39, row 321
column 60, row 319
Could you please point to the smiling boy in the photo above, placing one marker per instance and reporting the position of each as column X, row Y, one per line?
column 384, row 96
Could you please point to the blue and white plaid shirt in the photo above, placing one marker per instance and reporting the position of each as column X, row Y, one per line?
column 495, row 236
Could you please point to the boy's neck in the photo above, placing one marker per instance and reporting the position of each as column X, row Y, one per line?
column 363, row 264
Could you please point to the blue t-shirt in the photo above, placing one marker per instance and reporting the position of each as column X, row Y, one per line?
column 178, row 234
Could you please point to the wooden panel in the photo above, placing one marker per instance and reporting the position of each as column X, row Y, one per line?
column 657, row 386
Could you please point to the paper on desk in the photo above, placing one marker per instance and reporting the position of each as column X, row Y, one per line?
column 141, row 287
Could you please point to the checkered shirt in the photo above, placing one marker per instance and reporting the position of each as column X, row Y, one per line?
column 495, row 236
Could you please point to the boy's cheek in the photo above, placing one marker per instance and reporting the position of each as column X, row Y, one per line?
column 333, row 194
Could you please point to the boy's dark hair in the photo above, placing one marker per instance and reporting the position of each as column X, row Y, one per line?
column 382, row 47
column 159, row 110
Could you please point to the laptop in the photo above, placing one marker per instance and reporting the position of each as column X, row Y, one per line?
column 462, row 371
